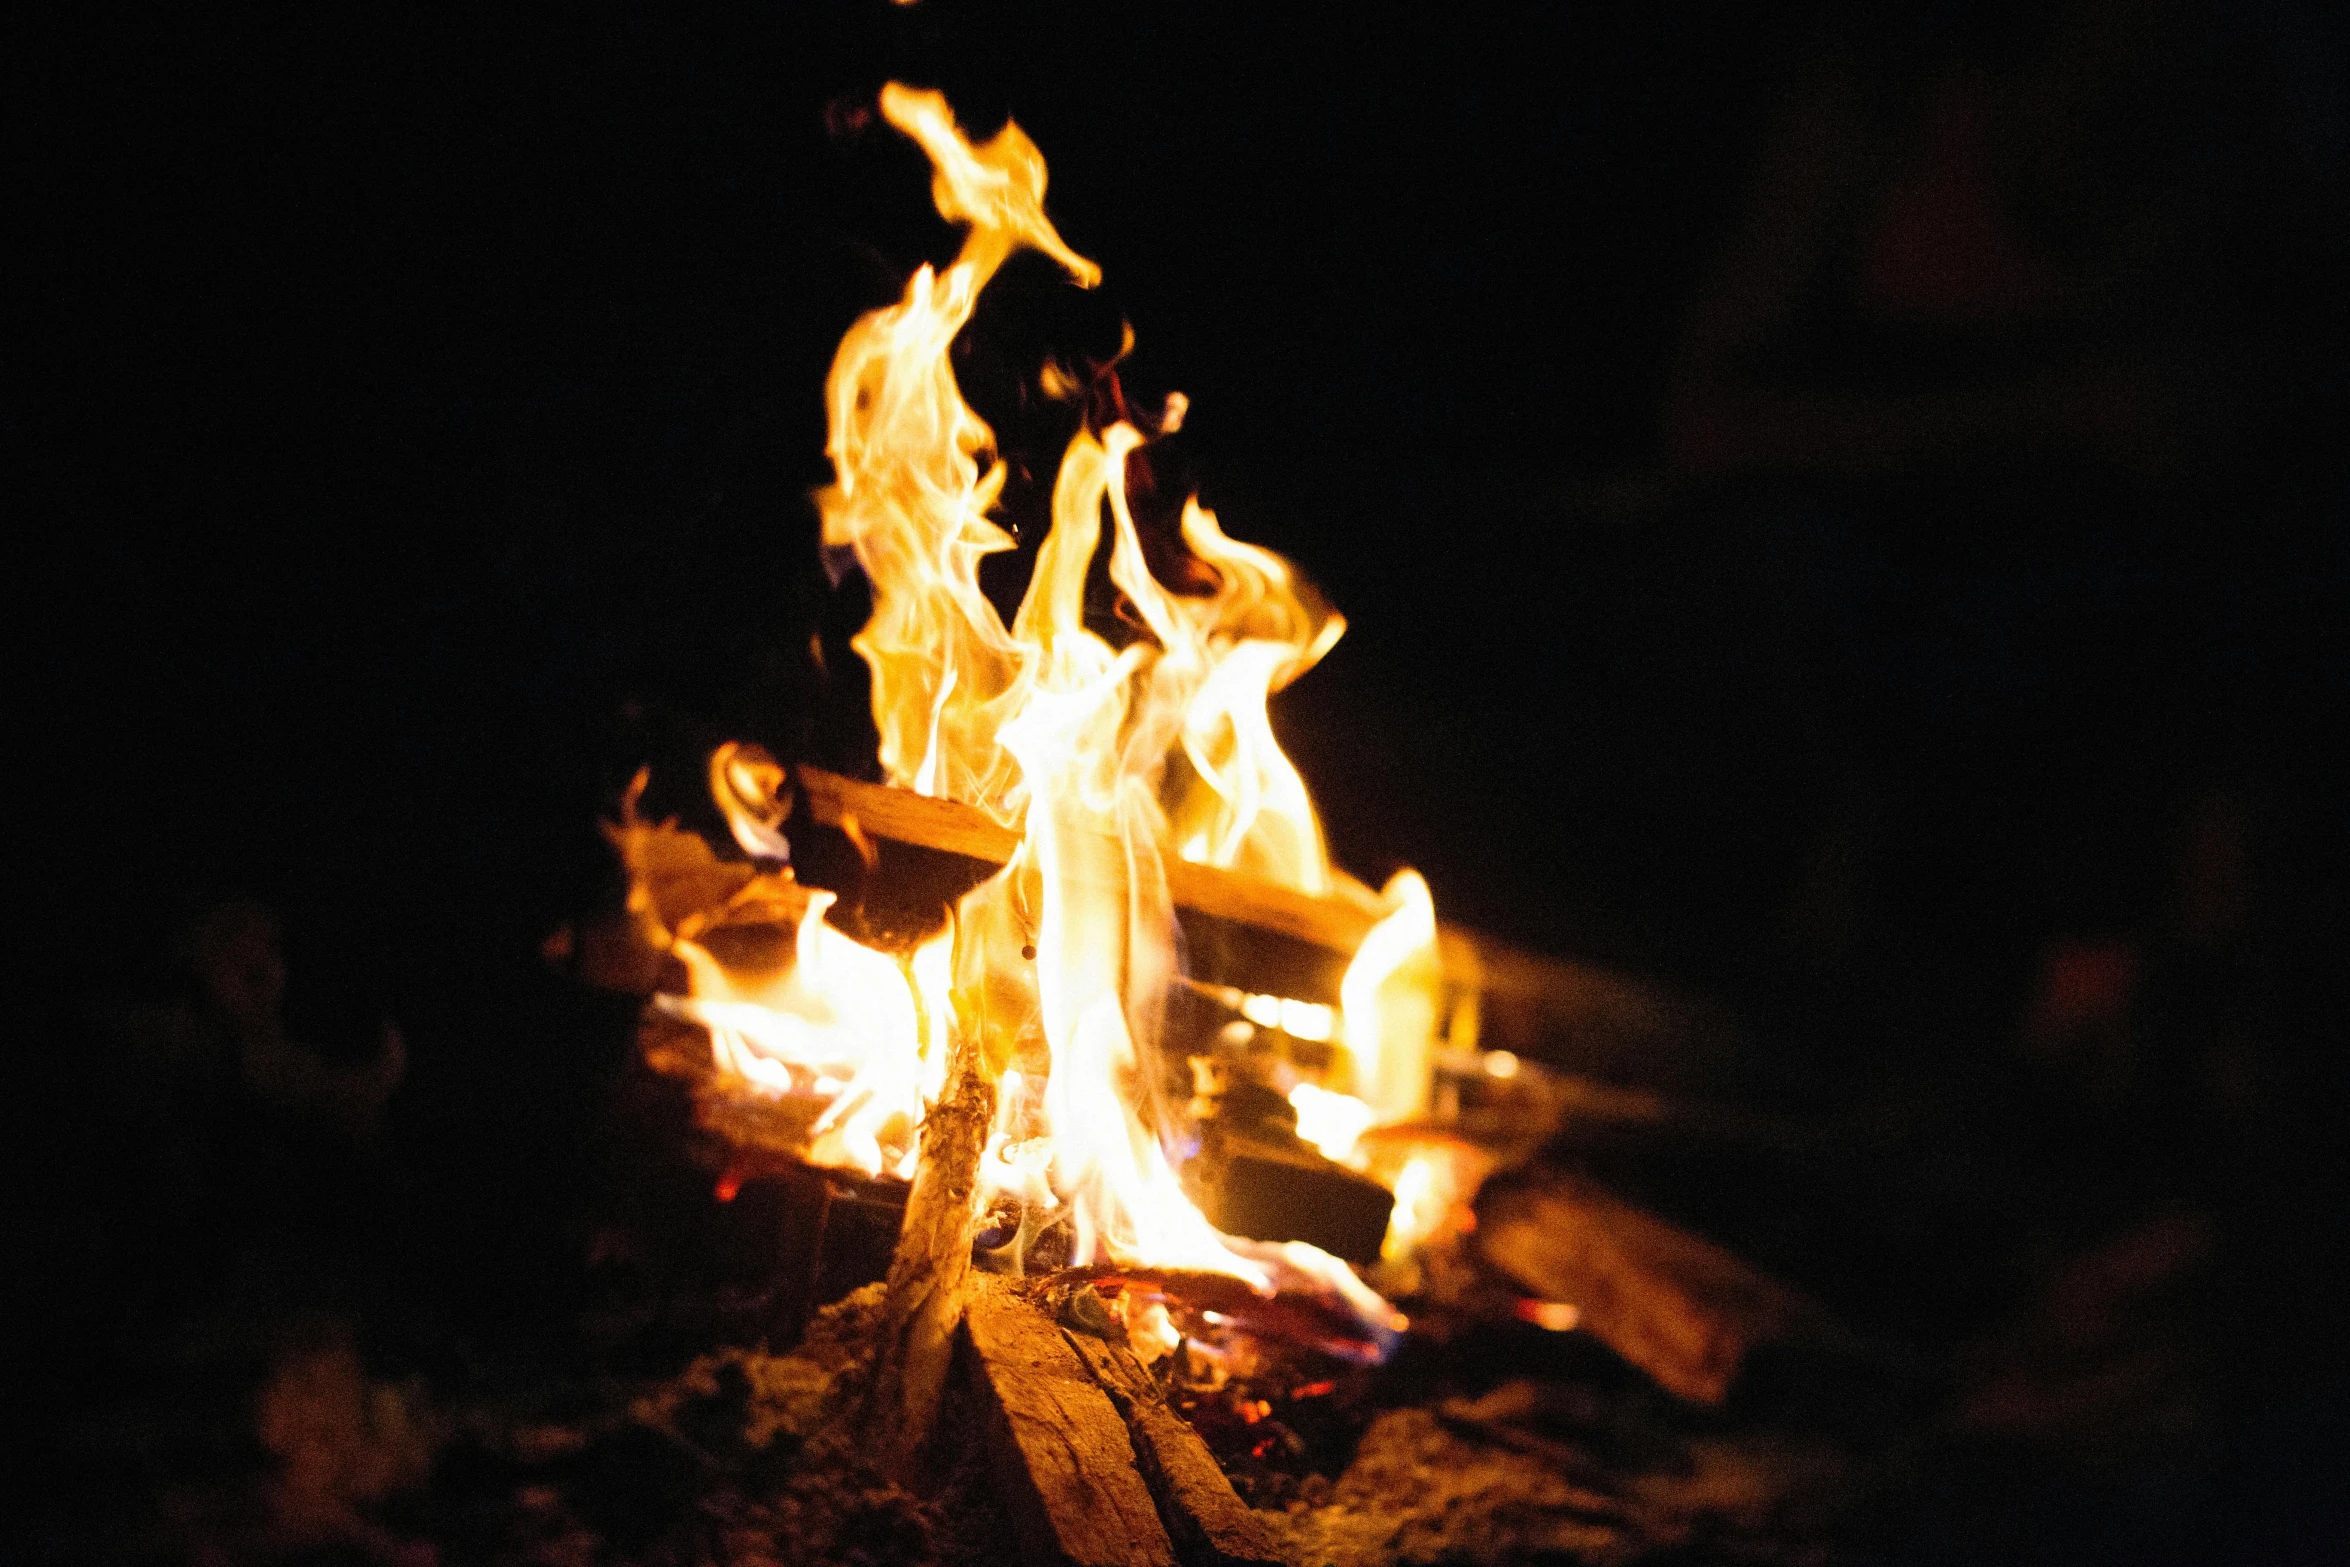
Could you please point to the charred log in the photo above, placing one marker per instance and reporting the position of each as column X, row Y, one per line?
column 1284, row 1190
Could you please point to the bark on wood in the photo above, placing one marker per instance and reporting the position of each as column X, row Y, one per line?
column 929, row 1271
column 1672, row 1303
column 1210, row 1524
column 1061, row 1449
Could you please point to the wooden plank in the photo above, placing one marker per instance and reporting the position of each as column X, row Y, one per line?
column 905, row 816
column 1210, row 1524
column 1673, row 1303
column 1337, row 922
column 1060, row 1447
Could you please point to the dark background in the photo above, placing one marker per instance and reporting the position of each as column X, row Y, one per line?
column 415, row 392
column 416, row 417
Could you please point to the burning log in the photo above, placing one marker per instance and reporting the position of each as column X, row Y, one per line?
column 1590, row 1019
column 1337, row 922
column 1672, row 1303
column 1285, row 1191
column 1060, row 1446
column 905, row 817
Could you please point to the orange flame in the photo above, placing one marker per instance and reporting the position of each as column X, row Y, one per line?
column 854, row 1033
column 1110, row 760
column 1044, row 722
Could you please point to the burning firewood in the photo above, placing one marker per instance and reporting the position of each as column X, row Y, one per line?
column 1607, row 1024
column 1674, row 1304
column 924, row 1299
column 1337, row 921
column 1124, row 791
column 1283, row 1190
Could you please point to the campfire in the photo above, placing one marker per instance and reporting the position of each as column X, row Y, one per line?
column 954, row 1105
column 1168, row 1111
column 969, row 1100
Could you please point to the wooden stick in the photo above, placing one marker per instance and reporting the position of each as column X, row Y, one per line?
column 927, row 1274
column 1061, row 1450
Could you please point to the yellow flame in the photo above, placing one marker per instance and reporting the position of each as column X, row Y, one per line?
column 1247, row 809
column 1434, row 1187
column 1044, row 722
column 838, row 1023
column 1420, row 1206
column 854, row 1034
column 915, row 474
column 1109, row 758
column 1389, row 999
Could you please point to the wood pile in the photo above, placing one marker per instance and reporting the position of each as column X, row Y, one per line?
column 1580, row 1016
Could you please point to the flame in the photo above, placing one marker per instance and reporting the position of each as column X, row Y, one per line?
column 910, row 494
column 1111, row 759
column 1247, row 809
column 834, row 1024
column 1043, row 722
column 1420, row 1205
column 1388, row 1002
column 1387, row 1007
column 1332, row 1122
